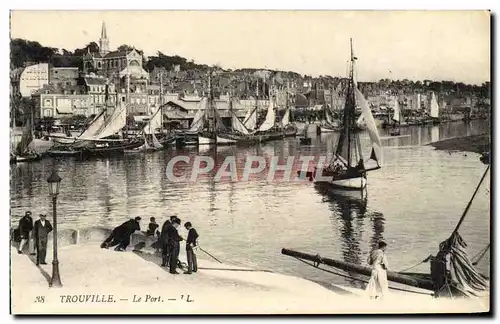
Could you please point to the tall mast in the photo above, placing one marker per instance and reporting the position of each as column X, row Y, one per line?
column 210, row 102
column 161, row 100
column 350, row 104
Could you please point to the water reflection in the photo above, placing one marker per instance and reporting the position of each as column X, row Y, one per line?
column 349, row 208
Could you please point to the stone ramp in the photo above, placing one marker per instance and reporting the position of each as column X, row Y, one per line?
column 138, row 285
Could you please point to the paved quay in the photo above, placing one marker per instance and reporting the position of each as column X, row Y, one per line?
column 134, row 283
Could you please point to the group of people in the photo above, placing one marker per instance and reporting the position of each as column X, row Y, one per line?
column 168, row 241
column 37, row 232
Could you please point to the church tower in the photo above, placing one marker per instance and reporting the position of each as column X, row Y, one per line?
column 103, row 41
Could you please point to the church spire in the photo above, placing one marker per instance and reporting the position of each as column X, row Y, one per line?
column 104, row 41
column 103, row 30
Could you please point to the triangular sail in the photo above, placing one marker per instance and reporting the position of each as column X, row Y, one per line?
column 154, row 123
column 94, row 127
column 397, row 111
column 370, row 124
column 286, row 118
column 270, row 118
column 238, row 125
column 250, row 122
column 156, row 142
column 116, row 122
column 199, row 118
column 434, row 107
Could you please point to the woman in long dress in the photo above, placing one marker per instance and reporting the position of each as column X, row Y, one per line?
column 378, row 286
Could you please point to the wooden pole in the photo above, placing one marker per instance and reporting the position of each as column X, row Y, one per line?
column 351, row 267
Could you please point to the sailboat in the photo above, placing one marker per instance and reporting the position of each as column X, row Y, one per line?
column 25, row 151
column 330, row 125
column 347, row 169
column 149, row 129
column 434, row 111
column 289, row 128
column 213, row 123
column 396, row 118
column 100, row 137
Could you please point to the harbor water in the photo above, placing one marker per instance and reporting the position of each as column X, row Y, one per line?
column 413, row 202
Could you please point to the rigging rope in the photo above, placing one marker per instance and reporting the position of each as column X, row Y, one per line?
column 481, row 254
column 423, row 261
column 358, row 279
column 470, row 202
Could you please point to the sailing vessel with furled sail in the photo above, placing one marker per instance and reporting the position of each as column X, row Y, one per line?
column 347, row 168
column 25, row 151
column 102, row 137
column 212, row 123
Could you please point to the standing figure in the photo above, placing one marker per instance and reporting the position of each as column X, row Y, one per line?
column 378, row 286
column 173, row 241
column 165, row 247
column 120, row 233
column 41, row 231
column 191, row 243
column 25, row 228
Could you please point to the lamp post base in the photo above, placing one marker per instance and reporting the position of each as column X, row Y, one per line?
column 55, row 281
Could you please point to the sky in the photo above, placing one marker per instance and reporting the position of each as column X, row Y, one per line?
column 416, row 45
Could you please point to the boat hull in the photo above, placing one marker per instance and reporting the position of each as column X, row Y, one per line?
column 225, row 141
column 326, row 129
column 202, row 140
column 348, row 184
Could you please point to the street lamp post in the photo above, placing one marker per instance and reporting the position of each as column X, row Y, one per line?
column 54, row 180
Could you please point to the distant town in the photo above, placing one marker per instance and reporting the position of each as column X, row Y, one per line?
column 58, row 84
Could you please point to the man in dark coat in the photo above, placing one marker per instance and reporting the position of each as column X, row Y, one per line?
column 173, row 241
column 165, row 248
column 25, row 228
column 41, row 232
column 121, row 234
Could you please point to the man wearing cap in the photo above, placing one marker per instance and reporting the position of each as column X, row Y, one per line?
column 25, row 228
column 41, row 231
column 173, row 241
column 165, row 247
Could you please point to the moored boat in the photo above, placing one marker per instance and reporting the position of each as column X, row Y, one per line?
column 347, row 168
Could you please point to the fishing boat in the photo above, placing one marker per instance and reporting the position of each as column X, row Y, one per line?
column 25, row 150
column 330, row 125
column 452, row 272
column 105, row 135
column 347, row 168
